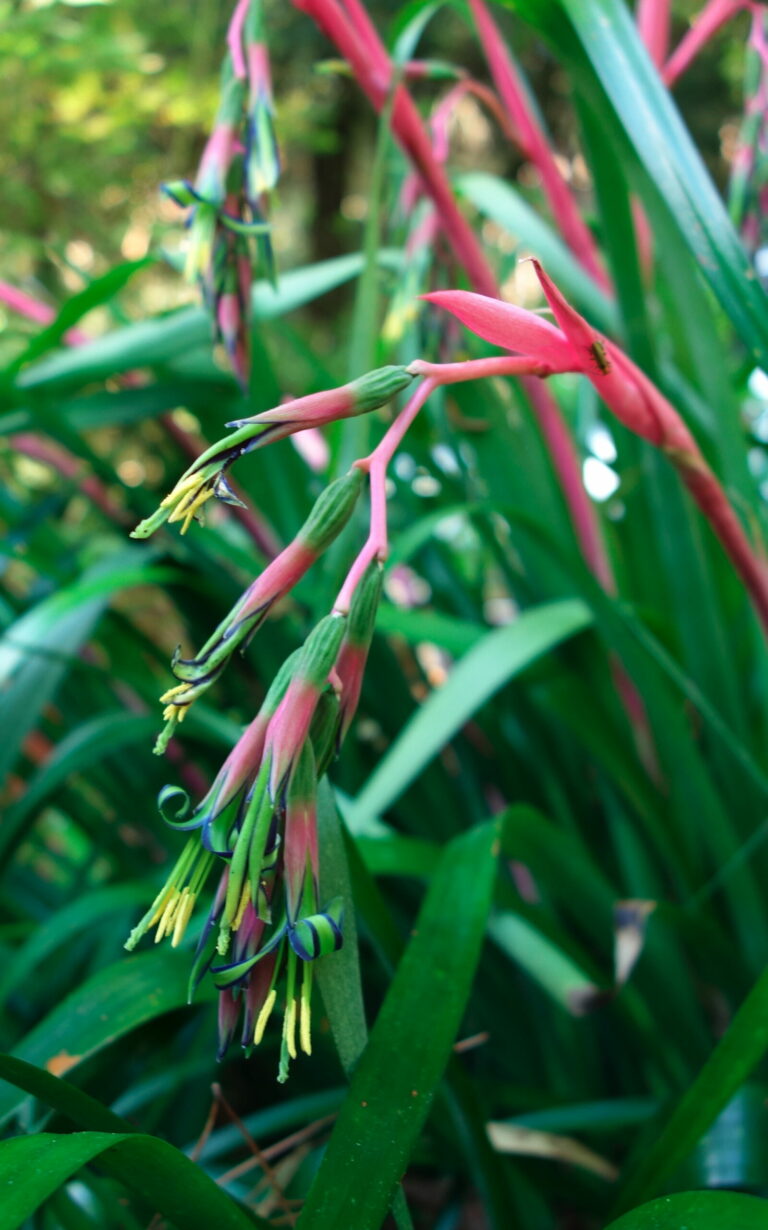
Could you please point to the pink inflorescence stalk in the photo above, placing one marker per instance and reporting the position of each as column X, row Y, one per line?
column 348, row 26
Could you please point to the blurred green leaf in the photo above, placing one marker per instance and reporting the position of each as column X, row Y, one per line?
column 109, row 1005
column 33, row 1167
column 697, row 1211
column 495, row 660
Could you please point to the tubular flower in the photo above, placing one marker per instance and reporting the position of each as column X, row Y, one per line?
column 205, row 479
column 327, row 519
column 627, row 392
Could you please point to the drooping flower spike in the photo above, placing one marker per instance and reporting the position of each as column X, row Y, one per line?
column 329, row 516
column 228, row 200
column 205, row 479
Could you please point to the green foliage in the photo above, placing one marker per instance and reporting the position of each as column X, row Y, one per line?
column 586, row 970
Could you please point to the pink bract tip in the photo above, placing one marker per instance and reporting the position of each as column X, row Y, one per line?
column 505, row 324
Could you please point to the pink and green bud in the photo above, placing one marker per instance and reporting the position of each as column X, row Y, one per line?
column 238, row 771
column 353, row 655
column 300, row 857
column 211, row 182
column 251, row 864
column 290, row 726
column 204, row 480
column 360, row 396
column 262, row 155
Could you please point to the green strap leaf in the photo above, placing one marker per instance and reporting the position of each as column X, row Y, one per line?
column 697, row 1211
column 32, row 1168
column 115, row 1001
column 729, row 1065
column 157, row 341
column 663, row 145
column 81, row 1108
column 498, row 657
column 395, row 1080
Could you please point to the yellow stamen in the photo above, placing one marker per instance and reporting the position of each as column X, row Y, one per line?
column 304, row 1030
column 263, row 1017
column 183, row 916
column 174, row 708
column 242, row 906
column 189, row 507
column 183, row 487
column 162, row 902
column 166, row 922
column 174, row 691
column 289, row 1028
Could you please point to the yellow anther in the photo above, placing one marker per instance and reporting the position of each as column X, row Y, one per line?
column 304, row 1028
column 174, row 691
column 166, row 922
column 190, row 502
column 183, row 916
column 263, row 1017
column 289, row 1028
column 193, row 508
column 161, row 903
column 242, row 906
column 183, row 487
column 174, row 708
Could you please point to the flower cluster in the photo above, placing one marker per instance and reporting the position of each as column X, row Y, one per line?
column 267, row 924
column 258, row 821
column 229, row 197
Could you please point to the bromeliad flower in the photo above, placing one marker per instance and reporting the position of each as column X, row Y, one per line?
column 627, row 392
column 205, row 479
column 325, row 522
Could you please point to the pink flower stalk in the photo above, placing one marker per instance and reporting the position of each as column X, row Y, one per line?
column 653, row 18
column 353, row 655
column 714, row 15
column 373, row 70
column 235, row 38
column 635, row 401
column 535, row 145
column 329, row 406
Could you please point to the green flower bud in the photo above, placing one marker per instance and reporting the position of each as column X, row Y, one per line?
column 319, row 650
column 378, row 387
column 331, row 512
